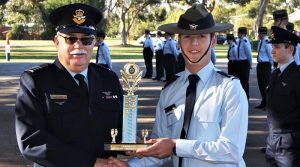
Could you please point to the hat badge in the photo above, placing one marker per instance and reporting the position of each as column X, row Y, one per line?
column 79, row 18
column 193, row 26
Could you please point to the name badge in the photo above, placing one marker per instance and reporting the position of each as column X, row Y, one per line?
column 58, row 97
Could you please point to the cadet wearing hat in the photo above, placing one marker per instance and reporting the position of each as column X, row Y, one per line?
column 103, row 52
column 65, row 110
column 280, row 18
column 232, row 55
column 244, row 62
column 170, row 56
column 148, row 54
column 202, row 116
column 264, row 64
column 283, row 104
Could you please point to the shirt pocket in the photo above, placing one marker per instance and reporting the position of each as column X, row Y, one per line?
column 174, row 122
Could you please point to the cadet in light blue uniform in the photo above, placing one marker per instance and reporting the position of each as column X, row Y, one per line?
column 244, row 58
column 264, row 64
column 148, row 54
column 159, row 56
column 202, row 116
column 290, row 27
column 232, row 55
column 103, row 52
column 170, row 56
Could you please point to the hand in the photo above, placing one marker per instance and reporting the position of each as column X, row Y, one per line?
column 161, row 148
column 101, row 162
column 116, row 162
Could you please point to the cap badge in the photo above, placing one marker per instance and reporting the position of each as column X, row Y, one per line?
column 79, row 18
column 193, row 26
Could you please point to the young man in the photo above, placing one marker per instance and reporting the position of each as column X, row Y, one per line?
column 65, row 110
column 202, row 116
column 244, row 62
column 148, row 54
column 283, row 102
column 264, row 64
column 103, row 52
column 232, row 55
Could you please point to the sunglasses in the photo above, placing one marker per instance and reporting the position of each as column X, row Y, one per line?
column 84, row 40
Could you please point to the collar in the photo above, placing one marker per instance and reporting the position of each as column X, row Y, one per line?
column 284, row 66
column 204, row 74
column 84, row 73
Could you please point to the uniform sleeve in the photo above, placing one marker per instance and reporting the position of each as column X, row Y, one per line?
column 269, row 53
column 107, row 56
column 230, row 145
column 247, row 47
column 34, row 142
column 174, row 48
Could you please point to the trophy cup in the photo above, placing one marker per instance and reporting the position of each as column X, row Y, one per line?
column 131, row 76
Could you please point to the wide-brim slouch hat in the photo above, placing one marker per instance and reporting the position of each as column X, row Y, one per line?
column 196, row 20
column 76, row 18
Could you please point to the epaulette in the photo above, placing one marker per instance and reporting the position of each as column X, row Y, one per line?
column 38, row 68
column 266, row 40
column 171, row 81
column 227, row 75
column 101, row 66
column 232, row 46
column 245, row 40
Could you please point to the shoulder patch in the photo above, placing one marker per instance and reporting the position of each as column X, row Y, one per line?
column 171, row 81
column 227, row 75
column 38, row 68
column 245, row 40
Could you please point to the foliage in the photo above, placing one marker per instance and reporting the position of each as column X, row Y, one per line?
column 17, row 32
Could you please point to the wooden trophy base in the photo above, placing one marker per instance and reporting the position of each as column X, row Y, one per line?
column 124, row 146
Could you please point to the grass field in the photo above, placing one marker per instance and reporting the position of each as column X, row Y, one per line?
column 45, row 49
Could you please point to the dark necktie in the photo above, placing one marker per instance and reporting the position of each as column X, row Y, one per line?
column 82, row 85
column 189, row 107
column 240, row 41
column 259, row 50
column 228, row 52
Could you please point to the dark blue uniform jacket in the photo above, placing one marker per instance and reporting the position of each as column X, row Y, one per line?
column 56, row 126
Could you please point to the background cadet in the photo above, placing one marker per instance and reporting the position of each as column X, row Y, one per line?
column 283, row 102
column 290, row 27
column 159, row 56
column 264, row 64
column 244, row 62
column 232, row 55
column 65, row 110
column 280, row 18
column 170, row 56
column 202, row 116
column 103, row 52
column 148, row 54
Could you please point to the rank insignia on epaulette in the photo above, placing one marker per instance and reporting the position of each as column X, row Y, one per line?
column 58, row 97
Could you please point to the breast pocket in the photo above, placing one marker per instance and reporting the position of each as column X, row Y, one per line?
column 58, row 103
column 174, row 122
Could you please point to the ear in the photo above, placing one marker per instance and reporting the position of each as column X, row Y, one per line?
column 55, row 40
column 213, row 40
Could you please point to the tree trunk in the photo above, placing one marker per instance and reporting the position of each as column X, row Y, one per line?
column 123, row 28
column 259, row 20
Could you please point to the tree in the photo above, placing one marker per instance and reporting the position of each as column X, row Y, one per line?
column 127, row 11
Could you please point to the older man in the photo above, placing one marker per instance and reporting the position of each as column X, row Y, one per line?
column 66, row 109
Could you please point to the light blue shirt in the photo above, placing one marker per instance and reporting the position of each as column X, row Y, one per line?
column 233, row 51
column 244, row 50
column 158, row 44
column 213, row 56
column 265, row 52
column 149, row 43
column 104, row 55
column 218, row 126
column 170, row 47
column 297, row 55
